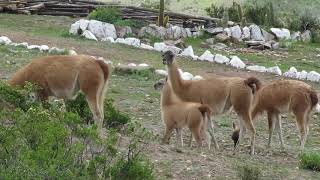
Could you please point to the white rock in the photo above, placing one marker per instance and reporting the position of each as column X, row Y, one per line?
column 87, row 34
column 281, row 33
column 227, row 31
column 302, row 75
column 161, row 72
column 256, row 33
column 306, row 36
column 72, row 52
column 186, row 76
column 102, row 30
column 146, row 46
column 34, row 47
column 221, row 59
column 237, row 62
column 188, row 52
column 274, row 70
column 207, row 56
column 245, row 33
column 120, row 40
column 132, row 42
column 143, row 65
column 162, row 47
column 195, row 58
column 83, row 24
column 56, row 50
column 267, row 36
column 257, row 68
column 23, row 44
column 296, row 36
column 132, row 64
column 108, row 39
column 44, row 48
column 13, row 44
column 197, row 77
column 292, row 73
column 4, row 40
column 313, row 76
column 74, row 28
column 236, row 32
column 317, row 108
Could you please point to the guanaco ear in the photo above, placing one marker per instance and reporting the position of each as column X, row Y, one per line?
column 201, row 101
column 234, row 125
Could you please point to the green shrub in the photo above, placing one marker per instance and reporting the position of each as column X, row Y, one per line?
column 215, row 11
column 310, row 160
column 108, row 15
column 249, row 172
column 112, row 116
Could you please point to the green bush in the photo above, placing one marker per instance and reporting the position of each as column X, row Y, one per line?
column 310, row 160
column 215, row 11
column 131, row 23
column 249, row 172
column 108, row 15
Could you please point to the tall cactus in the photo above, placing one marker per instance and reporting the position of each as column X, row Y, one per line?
column 161, row 13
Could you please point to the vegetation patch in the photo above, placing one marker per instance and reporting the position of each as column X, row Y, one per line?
column 249, row 172
column 310, row 160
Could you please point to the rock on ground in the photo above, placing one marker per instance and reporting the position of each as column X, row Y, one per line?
column 88, row 34
column 255, row 33
column 108, row 39
column 292, row 73
column 246, row 33
column 302, row 75
column 188, row 52
column 197, row 77
column 257, row 68
column 306, row 36
column 4, row 40
column 281, row 33
column 313, row 76
column 132, row 42
column 186, row 76
column 221, row 59
column 236, row 32
column 237, row 62
column 275, row 70
column 161, row 72
column 102, row 30
column 146, row 46
column 162, row 47
column 207, row 56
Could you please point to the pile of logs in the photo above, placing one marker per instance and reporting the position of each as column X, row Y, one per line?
column 81, row 8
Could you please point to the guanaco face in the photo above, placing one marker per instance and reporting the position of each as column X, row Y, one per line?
column 64, row 76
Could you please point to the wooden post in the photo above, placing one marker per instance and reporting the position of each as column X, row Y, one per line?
column 161, row 13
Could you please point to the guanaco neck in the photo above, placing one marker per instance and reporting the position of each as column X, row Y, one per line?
column 175, row 78
column 167, row 96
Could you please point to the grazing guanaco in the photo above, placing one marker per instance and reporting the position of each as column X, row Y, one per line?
column 220, row 93
column 284, row 96
column 63, row 76
column 177, row 114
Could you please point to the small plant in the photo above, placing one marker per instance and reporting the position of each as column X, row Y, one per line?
column 131, row 23
column 108, row 15
column 310, row 160
column 249, row 172
column 215, row 11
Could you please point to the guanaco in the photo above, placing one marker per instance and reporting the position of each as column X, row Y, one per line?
column 220, row 93
column 63, row 76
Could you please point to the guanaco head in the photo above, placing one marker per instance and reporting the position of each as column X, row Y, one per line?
column 235, row 134
column 160, row 84
column 168, row 57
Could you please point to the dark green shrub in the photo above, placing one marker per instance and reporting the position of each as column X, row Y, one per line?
column 249, row 172
column 310, row 160
column 215, row 11
column 108, row 15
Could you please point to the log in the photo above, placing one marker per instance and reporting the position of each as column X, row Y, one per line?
column 55, row 13
column 33, row 8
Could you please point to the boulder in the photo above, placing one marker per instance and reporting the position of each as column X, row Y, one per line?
column 122, row 31
column 83, row 24
column 74, row 28
column 179, row 32
column 72, row 52
column 306, row 36
column 215, row 31
column 267, row 36
column 222, row 37
column 211, row 41
column 87, row 34
column 23, row 44
column 162, row 47
column 281, row 33
column 108, row 39
column 227, row 31
column 132, row 64
column 292, row 73
column 34, row 47
column 143, row 65
column 296, row 36
column 275, row 45
column 245, row 33
column 55, row 50
column 161, row 72
column 313, row 76
column 132, row 42
column 44, row 48
column 275, row 70
column 207, row 56
column 302, row 75
column 257, row 68
column 236, row 32
column 255, row 33
column 102, row 30
column 237, row 62
column 186, row 76
column 4, row 40
column 197, row 77
column 120, row 40
column 146, row 46
column 188, row 52
column 221, row 59
column 317, row 108
column 156, row 31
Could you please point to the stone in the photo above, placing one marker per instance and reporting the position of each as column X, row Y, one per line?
column 218, row 46
column 211, row 41
column 4, row 40
column 34, row 47
column 231, row 23
column 146, row 46
column 188, row 52
column 207, row 56
column 161, row 72
column 275, row 45
column 132, row 42
column 179, row 32
column 302, row 75
column 72, row 52
column 186, row 76
column 162, row 47
column 281, row 33
column 236, row 32
column 275, row 70
column 237, row 62
column 296, row 36
column 313, row 76
column 221, row 59
column 108, row 39
column 44, row 48
column 132, row 64
column 74, row 28
column 222, row 37
column 197, row 77
column 102, row 30
column 267, row 36
column 87, row 34
column 292, row 73
column 317, row 108
column 143, row 65
column 245, row 33
column 255, row 33
column 55, row 50
column 83, row 24
column 122, row 31
column 257, row 68
column 215, row 31
column 23, row 44
column 120, row 40
column 227, row 31
column 306, row 36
